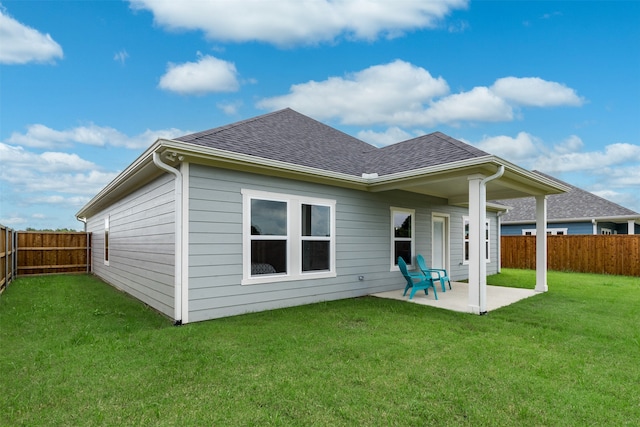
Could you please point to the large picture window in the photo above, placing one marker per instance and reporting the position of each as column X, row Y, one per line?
column 402, row 236
column 465, row 240
column 287, row 237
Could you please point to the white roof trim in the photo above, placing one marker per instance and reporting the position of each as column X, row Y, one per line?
column 130, row 176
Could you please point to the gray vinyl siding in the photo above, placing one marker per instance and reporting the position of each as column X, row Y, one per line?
column 141, row 244
column 363, row 243
column 572, row 228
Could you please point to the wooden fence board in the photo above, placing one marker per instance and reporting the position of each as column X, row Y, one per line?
column 53, row 253
column 7, row 256
column 605, row 254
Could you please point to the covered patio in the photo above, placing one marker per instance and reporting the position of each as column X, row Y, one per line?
column 472, row 183
column 457, row 298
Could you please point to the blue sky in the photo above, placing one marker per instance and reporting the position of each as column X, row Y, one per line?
column 86, row 87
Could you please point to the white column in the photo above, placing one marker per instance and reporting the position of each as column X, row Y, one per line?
column 541, row 244
column 477, row 267
column 499, row 242
column 632, row 227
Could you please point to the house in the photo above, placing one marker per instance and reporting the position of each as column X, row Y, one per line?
column 282, row 210
column 575, row 212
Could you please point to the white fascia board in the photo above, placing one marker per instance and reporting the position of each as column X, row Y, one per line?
column 549, row 185
column 130, row 173
column 230, row 157
column 131, row 177
column 621, row 218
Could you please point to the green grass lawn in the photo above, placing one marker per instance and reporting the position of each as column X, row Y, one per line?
column 76, row 352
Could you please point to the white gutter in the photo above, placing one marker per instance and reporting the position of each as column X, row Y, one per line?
column 483, row 247
column 177, row 303
column 616, row 219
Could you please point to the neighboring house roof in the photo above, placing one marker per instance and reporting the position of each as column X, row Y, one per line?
column 291, row 145
column 574, row 205
column 291, row 137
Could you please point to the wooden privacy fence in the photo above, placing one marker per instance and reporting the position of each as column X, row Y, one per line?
column 605, row 254
column 7, row 256
column 53, row 252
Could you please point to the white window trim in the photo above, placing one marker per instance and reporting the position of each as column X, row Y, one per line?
column 465, row 220
column 447, row 238
column 106, row 253
column 393, row 261
column 551, row 231
column 294, row 238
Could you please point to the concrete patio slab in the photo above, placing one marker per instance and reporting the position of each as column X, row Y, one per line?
column 457, row 298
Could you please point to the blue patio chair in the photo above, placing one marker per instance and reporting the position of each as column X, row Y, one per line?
column 423, row 282
column 441, row 272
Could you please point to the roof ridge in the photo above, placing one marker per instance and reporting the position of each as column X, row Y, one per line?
column 583, row 191
column 460, row 144
column 213, row 131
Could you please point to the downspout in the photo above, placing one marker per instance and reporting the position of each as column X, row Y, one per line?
column 499, row 218
column 178, row 235
column 84, row 220
column 483, row 246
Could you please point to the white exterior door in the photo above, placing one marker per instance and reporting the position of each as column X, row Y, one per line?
column 439, row 242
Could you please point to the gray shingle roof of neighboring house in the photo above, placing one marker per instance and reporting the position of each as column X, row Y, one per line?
column 289, row 136
column 574, row 204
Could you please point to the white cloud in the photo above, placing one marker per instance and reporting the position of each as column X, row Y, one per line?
column 613, row 155
column 76, row 201
column 387, row 94
column 402, row 94
column 230, row 108
column 44, row 162
column 13, row 221
column 289, row 22
column 31, row 174
column 20, row 44
column 535, row 92
column 517, row 149
column 619, row 161
column 121, row 56
column 380, row 139
column 477, row 105
column 41, row 136
column 612, row 173
column 208, row 74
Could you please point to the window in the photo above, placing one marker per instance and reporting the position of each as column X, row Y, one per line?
column 287, row 237
column 465, row 239
column 106, row 240
column 402, row 236
column 550, row 231
column 316, row 237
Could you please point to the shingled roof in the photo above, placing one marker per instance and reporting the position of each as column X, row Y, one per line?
column 574, row 204
column 289, row 136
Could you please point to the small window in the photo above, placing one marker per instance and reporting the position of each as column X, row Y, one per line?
column 465, row 240
column 550, row 231
column 402, row 236
column 269, row 237
column 106, row 240
column 316, row 237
